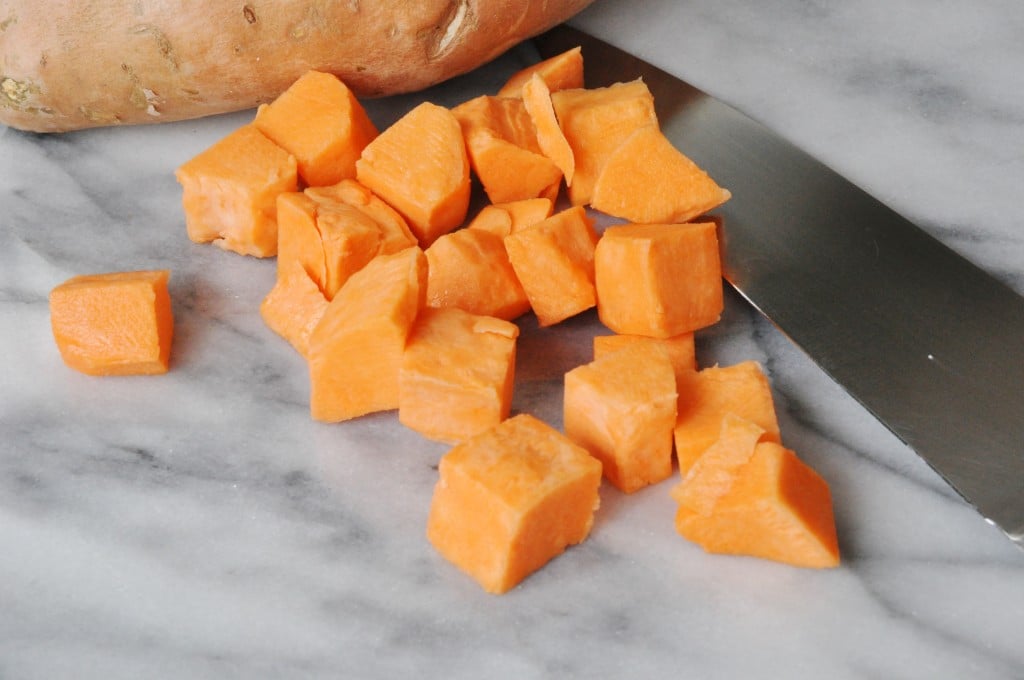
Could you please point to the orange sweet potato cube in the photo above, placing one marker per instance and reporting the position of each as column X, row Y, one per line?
column 707, row 396
column 560, row 72
column 469, row 269
column 320, row 122
column 229, row 192
column 776, row 508
column 293, row 307
column 510, row 499
column 355, row 352
column 504, row 151
column 680, row 348
column 420, row 167
column 595, row 121
column 622, row 408
column 114, row 324
column 658, row 280
column 647, row 180
column 457, row 374
column 554, row 260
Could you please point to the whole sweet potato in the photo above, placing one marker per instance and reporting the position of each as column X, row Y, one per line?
column 70, row 65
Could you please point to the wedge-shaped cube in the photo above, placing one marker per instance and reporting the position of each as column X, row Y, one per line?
column 707, row 396
column 622, row 408
column 595, row 122
column 503, row 150
column 469, row 269
column 647, row 180
column 457, row 374
column 554, row 260
column 319, row 121
column 114, row 324
column 510, row 499
column 658, row 280
column 294, row 307
column 420, row 167
column 229, row 192
column 770, row 505
column 680, row 348
column 355, row 352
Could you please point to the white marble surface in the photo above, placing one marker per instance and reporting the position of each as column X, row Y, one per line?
column 199, row 525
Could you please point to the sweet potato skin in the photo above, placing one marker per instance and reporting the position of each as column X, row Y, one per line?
column 109, row 62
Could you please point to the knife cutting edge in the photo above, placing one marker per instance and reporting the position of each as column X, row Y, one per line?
column 929, row 343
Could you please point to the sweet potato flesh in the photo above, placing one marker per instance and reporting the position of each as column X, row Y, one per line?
column 595, row 122
column 420, row 167
column 715, row 471
column 778, row 509
column 504, row 218
column 395, row 232
column 622, row 408
column 319, row 121
column 293, row 307
column 550, row 138
column 229, row 192
column 561, row 72
column 510, row 499
column 504, row 151
column 395, row 305
column 647, row 180
column 554, row 260
column 355, row 352
column 659, row 280
column 119, row 323
column 706, row 397
column 457, row 374
column 469, row 269
column 681, row 349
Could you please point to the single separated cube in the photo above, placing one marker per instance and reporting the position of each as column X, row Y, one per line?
column 457, row 374
column 622, row 408
column 229, row 192
column 510, row 499
column 658, row 280
column 114, row 324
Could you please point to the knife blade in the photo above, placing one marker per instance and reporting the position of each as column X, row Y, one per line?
column 926, row 341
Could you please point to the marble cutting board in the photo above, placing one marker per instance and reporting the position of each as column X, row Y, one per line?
column 200, row 525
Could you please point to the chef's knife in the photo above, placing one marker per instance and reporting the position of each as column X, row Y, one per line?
column 929, row 343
